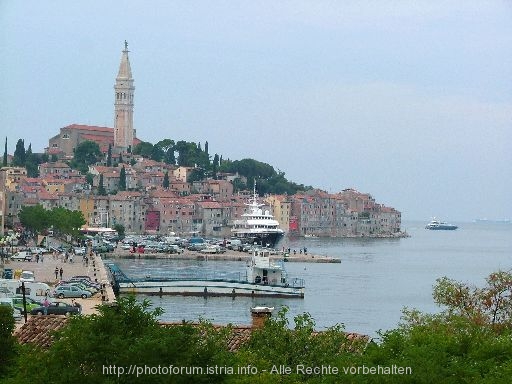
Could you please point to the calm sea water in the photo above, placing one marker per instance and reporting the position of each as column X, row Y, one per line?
column 367, row 291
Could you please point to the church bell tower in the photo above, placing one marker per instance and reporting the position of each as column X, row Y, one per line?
column 124, row 90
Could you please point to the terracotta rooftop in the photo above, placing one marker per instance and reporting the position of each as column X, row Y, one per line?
column 38, row 330
column 90, row 128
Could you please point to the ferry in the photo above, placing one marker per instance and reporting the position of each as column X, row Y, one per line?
column 263, row 278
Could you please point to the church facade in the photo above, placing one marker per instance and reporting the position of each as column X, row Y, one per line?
column 121, row 137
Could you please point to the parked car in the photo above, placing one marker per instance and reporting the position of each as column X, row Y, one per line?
column 8, row 273
column 7, row 301
column 27, row 276
column 173, row 248
column 83, row 286
column 213, row 249
column 22, row 256
column 57, row 308
column 79, row 251
column 69, row 291
column 31, row 303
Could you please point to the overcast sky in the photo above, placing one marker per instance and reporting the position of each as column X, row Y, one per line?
column 408, row 100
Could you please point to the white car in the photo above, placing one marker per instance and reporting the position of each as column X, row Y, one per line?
column 22, row 256
column 27, row 276
column 79, row 251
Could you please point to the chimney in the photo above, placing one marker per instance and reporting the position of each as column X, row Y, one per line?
column 260, row 315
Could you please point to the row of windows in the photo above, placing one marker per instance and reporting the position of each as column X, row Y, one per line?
column 124, row 96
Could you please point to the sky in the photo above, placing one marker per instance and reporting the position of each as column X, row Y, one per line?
column 409, row 101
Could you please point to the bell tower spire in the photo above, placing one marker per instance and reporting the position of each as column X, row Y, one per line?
column 123, row 104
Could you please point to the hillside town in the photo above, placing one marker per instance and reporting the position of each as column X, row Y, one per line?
column 205, row 207
column 155, row 197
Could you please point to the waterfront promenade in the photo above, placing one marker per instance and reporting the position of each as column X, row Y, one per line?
column 229, row 255
column 44, row 271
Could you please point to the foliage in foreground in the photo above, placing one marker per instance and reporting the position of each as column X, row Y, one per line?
column 454, row 346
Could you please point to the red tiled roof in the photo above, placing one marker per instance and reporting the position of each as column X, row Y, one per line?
column 39, row 330
column 90, row 128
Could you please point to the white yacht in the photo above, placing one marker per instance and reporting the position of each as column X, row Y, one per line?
column 257, row 226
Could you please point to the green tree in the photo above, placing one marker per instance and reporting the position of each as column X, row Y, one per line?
column 86, row 153
column 165, row 182
column 122, row 179
column 215, row 166
column 109, row 155
column 4, row 162
column 31, row 163
column 7, row 340
column 120, row 230
column 65, row 221
column 490, row 305
column 144, row 149
column 121, row 335
column 101, row 188
column 167, row 147
column 35, row 218
column 18, row 159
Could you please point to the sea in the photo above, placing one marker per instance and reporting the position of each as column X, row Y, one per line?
column 366, row 292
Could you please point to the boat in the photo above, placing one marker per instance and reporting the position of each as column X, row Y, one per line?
column 257, row 226
column 264, row 277
column 440, row 225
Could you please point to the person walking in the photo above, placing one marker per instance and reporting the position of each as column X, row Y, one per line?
column 46, row 304
column 61, row 272
column 56, row 273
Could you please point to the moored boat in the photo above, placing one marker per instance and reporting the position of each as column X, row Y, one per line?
column 263, row 277
column 440, row 225
column 257, row 226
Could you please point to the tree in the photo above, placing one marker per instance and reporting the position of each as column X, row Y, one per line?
column 215, row 166
column 86, row 153
column 66, row 221
column 490, row 305
column 165, row 182
column 7, row 340
column 122, row 179
column 144, row 149
column 19, row 154
column 109, row 155
column 120, row 230
column 101, row 188
column 35, row 218
column 4, row 163
column 167, row 147
column 80, row 353
column 31, row 163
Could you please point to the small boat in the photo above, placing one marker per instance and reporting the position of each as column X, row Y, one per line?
column 263, row 278
column 440, row 225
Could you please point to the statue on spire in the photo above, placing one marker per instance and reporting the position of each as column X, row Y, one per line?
column 125, row 45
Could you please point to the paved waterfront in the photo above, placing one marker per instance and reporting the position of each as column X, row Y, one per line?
column 45, row 272
column 226, row 256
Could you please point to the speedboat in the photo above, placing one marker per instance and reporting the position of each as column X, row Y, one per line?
column 440, row 225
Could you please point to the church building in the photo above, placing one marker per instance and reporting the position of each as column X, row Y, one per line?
column 122, row 137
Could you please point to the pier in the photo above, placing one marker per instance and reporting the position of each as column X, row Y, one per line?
column 226, row 256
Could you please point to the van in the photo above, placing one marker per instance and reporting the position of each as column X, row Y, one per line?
column 36, row 291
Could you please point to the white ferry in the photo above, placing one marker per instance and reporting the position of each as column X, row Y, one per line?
column 263, row 277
